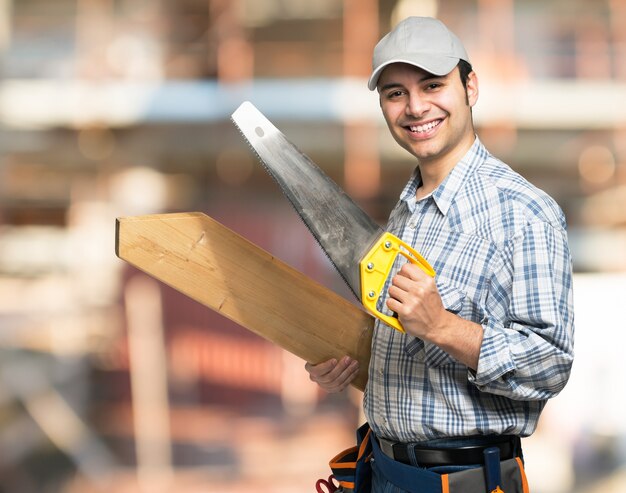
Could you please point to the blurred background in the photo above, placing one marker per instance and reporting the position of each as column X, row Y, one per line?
column 110, row 381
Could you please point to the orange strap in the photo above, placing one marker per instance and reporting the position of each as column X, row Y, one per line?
column 523, row 474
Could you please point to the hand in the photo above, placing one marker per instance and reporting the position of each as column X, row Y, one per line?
column 332, row 375
column 416, row 300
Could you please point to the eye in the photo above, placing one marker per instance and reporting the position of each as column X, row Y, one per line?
column 394, row 94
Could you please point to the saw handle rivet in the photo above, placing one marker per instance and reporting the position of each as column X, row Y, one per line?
column 371, row 295
column 370, row 266
column 387, row 245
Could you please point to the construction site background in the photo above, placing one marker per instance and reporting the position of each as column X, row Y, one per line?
column 114, row 108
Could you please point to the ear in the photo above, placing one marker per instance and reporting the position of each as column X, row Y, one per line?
column 471, row 88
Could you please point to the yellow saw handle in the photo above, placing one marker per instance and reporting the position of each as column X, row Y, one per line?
column 376, row 266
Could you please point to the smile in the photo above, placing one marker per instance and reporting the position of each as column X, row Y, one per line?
column 426, row 127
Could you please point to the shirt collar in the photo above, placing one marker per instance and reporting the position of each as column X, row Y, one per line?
column 444, row 194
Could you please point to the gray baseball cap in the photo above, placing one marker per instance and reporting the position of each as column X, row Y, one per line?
column 420, row 41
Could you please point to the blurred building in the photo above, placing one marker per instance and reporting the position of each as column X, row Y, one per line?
column 121, row 107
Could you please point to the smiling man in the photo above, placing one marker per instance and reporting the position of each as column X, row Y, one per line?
column 490, row 339
column 429, row 116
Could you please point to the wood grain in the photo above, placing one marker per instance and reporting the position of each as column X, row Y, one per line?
column 215, row 266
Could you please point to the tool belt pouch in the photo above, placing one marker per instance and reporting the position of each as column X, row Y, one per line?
column 414, row 479
column 352, row 468
column 473, row 480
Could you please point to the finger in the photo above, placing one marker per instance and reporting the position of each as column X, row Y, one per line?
column 401, row 282
column 397, row 294
column 413, row 271
column 320, row 369
column 395, row 305
column 344, row 378
column 339, row 377
column 402, row 300
column 337, row 370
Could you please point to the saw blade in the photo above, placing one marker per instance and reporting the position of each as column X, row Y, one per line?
column 344, row 231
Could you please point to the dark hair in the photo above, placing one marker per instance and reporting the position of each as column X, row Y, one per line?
column 465, row 68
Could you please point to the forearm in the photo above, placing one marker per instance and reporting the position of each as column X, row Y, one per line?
column 460, row 338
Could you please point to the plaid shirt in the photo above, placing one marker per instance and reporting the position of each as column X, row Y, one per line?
column 499, row 247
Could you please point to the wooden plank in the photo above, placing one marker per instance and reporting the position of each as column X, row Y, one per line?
column 215, row 266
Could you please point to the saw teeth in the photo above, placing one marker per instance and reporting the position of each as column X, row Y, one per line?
column 269, row 172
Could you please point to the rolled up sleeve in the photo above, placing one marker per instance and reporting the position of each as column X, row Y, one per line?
column 527, row 349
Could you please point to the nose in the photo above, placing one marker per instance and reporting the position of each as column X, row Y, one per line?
column 416, row 106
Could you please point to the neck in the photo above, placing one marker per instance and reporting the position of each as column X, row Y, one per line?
column 434, row 172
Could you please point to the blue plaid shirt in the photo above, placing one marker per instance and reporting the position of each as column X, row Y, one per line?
column 499, row 247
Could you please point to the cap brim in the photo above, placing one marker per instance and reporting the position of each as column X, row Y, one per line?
column 436, row 65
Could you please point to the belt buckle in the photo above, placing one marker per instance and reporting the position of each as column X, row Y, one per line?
column 386, row 446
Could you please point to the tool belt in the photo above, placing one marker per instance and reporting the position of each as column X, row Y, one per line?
column 462, row 456
column 353, row 467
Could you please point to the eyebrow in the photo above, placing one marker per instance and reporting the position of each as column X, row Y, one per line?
column 390, row 86
column 425, row 78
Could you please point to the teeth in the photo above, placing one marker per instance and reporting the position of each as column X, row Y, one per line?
column 424, row 128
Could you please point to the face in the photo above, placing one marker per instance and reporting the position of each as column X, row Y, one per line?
column 430, row 116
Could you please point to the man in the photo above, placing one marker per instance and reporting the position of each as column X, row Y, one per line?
column 490, row 339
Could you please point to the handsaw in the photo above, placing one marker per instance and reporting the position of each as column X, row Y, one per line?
column 361, row 251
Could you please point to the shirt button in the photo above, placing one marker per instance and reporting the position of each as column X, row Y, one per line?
column 412, row 224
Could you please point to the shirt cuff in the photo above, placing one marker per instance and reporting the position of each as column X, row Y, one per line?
column 495, row 363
